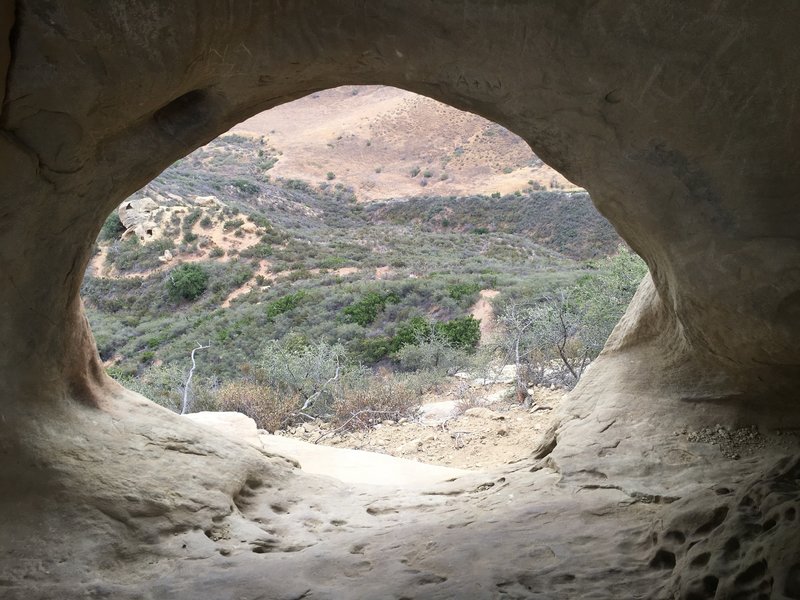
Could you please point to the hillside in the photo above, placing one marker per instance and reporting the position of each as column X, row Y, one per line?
column 384, row 143
column 286, row 260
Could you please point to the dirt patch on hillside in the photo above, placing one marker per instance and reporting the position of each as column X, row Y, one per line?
column 385, row 142
column 484, row 311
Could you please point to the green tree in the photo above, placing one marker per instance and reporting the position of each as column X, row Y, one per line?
column 187, row 281
column 570, row 326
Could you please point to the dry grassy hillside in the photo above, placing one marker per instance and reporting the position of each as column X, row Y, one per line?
column 386, row 142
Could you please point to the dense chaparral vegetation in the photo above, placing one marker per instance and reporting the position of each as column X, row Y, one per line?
column 337, row 288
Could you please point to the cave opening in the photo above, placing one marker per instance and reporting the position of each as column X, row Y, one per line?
column 653, row 483
column 391, row 296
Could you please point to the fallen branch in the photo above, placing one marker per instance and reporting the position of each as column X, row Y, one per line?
column 352, row 418
column 313, row 396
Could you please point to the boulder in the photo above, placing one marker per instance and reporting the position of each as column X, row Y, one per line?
column 233, row 425
column 138, row 218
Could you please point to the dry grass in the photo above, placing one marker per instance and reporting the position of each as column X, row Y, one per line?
column 373, row 402
column 269, row 408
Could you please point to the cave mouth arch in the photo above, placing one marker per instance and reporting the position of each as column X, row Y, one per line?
column 595, row 100
column 402, row 107
column 676, row 118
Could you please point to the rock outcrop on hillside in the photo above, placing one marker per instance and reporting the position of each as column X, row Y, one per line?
column 138, row 217
column 679, row 119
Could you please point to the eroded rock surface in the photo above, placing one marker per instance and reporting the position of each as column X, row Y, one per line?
column 679, row 118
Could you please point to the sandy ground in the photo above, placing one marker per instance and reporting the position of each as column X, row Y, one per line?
column 491, row 434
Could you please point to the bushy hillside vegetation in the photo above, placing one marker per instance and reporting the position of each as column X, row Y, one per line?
column 245, row 262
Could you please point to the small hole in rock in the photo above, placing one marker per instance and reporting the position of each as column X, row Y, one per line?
column 701, row 560
column 731, row 547
column 715, row 521
column 675, row 536
column 663, row 560
column 710, row 584
column 753, row 572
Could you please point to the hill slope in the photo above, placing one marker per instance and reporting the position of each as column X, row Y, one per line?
column 285, row 259
column 385, row 142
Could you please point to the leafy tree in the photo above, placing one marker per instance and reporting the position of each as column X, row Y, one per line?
column 187, row 281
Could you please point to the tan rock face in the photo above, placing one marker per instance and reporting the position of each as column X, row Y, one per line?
column 680, row 119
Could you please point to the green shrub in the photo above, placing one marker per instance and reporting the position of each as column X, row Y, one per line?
column 285, row 304
column 463, row 333
column 245, row 187
column 259, row 250
column 370, row 350
column 112, row 228
column 366, row 310
column 190, row 219
column 232, row 224
column 187, row 281
column 410, row 332
column 462, row 291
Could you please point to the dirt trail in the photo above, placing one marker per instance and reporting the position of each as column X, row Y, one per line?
column 483, row 310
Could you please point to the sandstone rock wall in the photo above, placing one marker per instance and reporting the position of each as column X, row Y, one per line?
column 679, row 118
column 680, row 130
